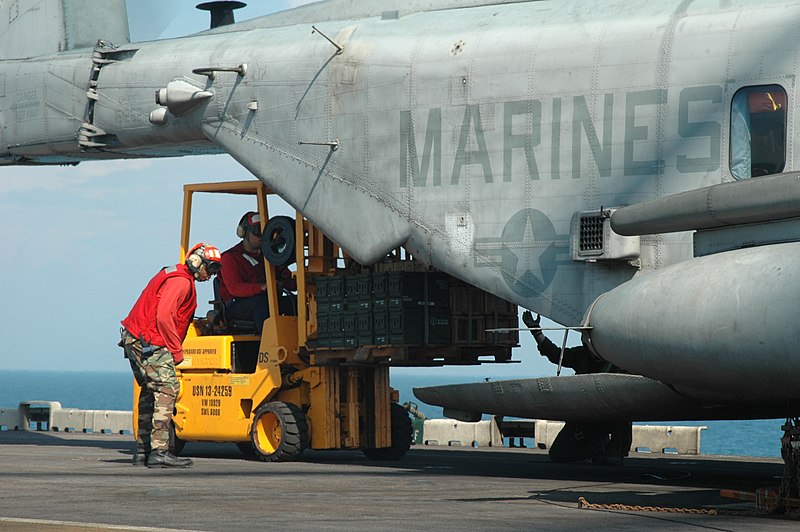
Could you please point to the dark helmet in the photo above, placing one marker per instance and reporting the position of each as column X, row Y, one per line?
column 250, row 223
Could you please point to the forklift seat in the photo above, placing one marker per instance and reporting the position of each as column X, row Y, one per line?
column 217, row 316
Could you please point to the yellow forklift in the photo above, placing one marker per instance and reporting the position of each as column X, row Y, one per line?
column 318, row 375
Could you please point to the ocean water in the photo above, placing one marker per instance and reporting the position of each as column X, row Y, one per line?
column 114, row 391
column 87, row 390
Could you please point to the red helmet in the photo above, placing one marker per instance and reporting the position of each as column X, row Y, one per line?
column 204, row 254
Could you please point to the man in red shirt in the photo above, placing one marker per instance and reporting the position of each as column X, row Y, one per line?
column 152, row 337
column 243, row 286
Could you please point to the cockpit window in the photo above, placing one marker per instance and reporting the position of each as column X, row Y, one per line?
column 758, row 131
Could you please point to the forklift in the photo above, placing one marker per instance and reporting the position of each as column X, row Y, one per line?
column 318, row 375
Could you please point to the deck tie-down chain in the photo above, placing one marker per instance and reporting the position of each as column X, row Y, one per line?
column 584, row 504
column 788, row 497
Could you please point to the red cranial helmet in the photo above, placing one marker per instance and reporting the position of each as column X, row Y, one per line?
column 203, row 254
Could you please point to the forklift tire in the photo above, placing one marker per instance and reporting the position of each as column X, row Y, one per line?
column 401, row 437
column 279, row 433
column 175, row 443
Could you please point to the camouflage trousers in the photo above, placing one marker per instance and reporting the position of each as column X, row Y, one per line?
column 154, row 371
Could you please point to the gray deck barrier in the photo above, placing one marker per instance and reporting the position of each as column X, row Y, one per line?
column 49, row 415
column 646, row 438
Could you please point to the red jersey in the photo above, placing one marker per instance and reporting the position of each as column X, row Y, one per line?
column 242, row 273
column 163, row 312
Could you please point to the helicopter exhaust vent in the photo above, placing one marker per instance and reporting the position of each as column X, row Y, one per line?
column 221, row 12
column 591, row 234
column 594, row 240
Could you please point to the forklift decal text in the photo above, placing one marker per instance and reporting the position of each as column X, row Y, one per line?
column 200, row 351
column 210, row 407
column 212, row 391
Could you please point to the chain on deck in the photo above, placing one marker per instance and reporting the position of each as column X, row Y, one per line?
column 584, row 504
column 786, row 502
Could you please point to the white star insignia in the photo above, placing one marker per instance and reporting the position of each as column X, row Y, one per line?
column 527, row 253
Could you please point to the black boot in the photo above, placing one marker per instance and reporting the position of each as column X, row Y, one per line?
column 139, row 456
column 167, row 459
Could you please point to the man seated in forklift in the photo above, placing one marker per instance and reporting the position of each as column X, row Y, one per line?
column 243, row 288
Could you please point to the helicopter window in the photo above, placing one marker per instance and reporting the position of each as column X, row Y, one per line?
column 758, row 131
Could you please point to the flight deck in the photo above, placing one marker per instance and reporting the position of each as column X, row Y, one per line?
column 77, row 481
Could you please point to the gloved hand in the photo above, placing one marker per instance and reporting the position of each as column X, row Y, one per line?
column 527, row 319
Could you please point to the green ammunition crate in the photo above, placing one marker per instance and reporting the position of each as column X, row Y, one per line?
column 438, row 290
column 380, row 304
column 324, row 333
column 417, row 289
column 330, row 295
column 336, row 289
column 382, row 339
column 364, row 328
column 359, row 287
column 335, row 331
column 349, row 324
column 380, row 287
column 322, row 287
column 419, row 326
column 380, row 322
column 405, row 289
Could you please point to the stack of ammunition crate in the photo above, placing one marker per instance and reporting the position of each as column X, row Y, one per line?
column 330, row 306
column 473, row 311
column 416, row 306
column 408, row 308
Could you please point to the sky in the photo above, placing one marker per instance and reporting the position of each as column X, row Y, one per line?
column 80, row 243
